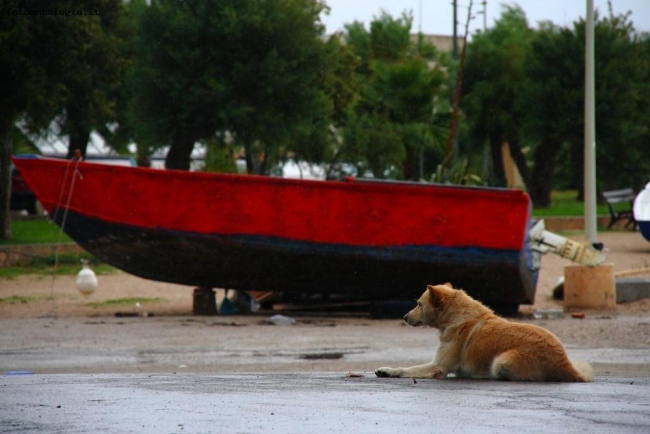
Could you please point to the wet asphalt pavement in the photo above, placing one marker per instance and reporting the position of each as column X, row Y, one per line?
column 241, row 375
column 314, row 403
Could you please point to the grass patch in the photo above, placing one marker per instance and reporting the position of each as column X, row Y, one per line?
column 17, row 299
column 564, row 203
column 68, row 264
column 35, row 231
column 125, row 301
column 40, row 230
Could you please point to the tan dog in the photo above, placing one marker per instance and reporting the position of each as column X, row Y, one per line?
column 476, row 343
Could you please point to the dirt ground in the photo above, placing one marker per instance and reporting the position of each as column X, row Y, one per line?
column 32, row 306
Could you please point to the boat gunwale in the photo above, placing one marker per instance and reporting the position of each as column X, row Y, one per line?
column 363, row 184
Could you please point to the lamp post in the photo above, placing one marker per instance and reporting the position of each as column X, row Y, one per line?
column 590, row 287
column 590, row 128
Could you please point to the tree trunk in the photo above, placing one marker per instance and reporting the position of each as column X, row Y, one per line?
column 520, row 160
column 178, row 156
column 264, row 163
column 6, row 149
column 250, row 160
column 79, row 133
column 78, row 141
column 543, row 172
column 497, row 160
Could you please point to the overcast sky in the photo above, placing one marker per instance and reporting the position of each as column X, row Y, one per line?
column 435, row 16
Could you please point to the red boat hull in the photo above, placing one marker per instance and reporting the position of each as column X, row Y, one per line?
column 274, row 234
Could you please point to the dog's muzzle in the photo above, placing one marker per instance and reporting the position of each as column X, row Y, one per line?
column 410, row 322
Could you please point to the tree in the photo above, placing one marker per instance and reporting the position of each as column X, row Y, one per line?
column 127, row 128
column 555, row 85
column 35, row 57
column 526, row 88
column 94, row 79
column 555, row 121
column 401, row 82
column 494, row 77
column 250, row 67
column 319, row 142
column 404, row 95
column 622, row 96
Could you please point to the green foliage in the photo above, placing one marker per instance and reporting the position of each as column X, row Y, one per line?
column 54, row 64
column 525, row 87
column 493, row 80
column 127, row 128
column 556, row 83
column 622, row 105
column 34, row 55
column 390, row 39
column 218, row 157
column 22, row 144
column 358, row 39
column 170, row 73
column 457, row 173
column 394, row 122
column 34, row 52
column 374, row 145
column 94, row 78
column 340, row 82
column 404, row 91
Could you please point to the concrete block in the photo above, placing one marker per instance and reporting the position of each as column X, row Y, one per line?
column 589, row 287
column 630, row 289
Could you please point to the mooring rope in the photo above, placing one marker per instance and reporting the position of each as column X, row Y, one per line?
column 77, row 159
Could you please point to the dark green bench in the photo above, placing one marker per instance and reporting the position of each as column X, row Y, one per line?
column 620, row 203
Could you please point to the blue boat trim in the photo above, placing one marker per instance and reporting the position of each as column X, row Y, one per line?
column 644, row 228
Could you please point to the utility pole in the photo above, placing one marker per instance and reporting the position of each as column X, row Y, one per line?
column 454, row 136
column 455, row 34
column 484, row 15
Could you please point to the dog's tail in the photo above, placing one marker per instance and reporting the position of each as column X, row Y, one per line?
column 584, row 370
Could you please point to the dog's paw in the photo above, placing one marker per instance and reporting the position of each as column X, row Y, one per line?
column 386, row 372
column 437, row 374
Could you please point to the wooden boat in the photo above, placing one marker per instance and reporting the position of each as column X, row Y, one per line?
column 380, row 240
column 641, row 211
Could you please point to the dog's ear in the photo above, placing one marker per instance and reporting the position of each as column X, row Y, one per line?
column 436, row 294
column 449, row 285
